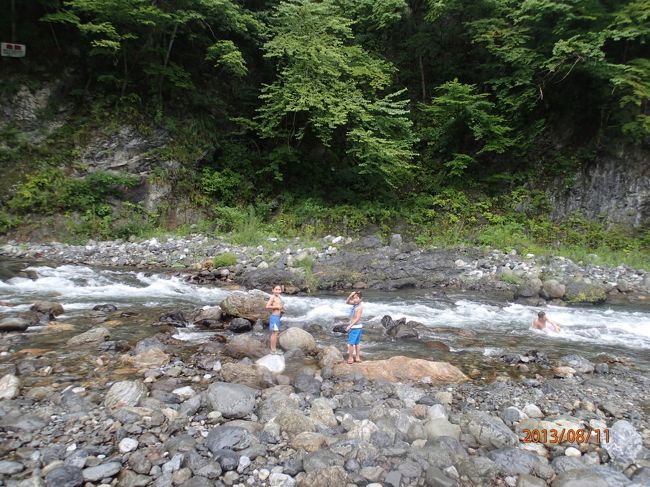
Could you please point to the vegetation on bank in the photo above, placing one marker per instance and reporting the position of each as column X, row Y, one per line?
column 443, row 120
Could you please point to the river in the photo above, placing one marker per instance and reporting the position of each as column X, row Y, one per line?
column 477, row 328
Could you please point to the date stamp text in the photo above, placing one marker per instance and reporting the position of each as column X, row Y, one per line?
column 560, row 435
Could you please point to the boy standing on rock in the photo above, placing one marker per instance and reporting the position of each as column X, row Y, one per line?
column 355, row 328
column 274, row 304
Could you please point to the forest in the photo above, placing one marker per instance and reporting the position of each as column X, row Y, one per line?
column 447, row 119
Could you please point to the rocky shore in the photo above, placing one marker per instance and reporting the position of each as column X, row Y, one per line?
column 343, row 263
column 97, row 412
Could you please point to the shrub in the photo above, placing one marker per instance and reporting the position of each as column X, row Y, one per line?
column 226, row 259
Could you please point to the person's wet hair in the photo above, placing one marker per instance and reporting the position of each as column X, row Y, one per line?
column 541, row 313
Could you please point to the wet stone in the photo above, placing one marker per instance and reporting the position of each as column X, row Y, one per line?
column 65, row 476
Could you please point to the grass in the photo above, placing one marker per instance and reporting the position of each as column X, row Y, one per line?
column 226, row 259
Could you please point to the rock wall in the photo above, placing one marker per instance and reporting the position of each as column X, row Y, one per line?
column 614, row 187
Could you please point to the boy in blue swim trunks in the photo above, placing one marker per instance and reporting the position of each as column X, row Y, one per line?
column 276, row 307
column 355, row 328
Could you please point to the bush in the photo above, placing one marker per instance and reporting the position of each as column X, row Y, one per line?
column 224, row 260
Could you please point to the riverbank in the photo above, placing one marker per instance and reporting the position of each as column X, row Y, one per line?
column 369, row 263
column 164, row 412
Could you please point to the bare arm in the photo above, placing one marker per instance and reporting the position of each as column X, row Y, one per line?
column 270, row 304
column 347, row 301
column 355, row 319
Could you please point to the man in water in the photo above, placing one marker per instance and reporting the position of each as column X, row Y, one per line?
column 545, row 324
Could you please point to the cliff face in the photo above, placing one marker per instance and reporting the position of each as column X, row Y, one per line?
column 614, row 188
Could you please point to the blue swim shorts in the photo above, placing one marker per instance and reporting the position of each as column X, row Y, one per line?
column 274, row 323
column 354, row 336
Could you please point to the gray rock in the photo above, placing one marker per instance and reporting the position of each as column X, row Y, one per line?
column 598, row 476
column 8, row 467
column 296, row 338
column 199, row 482
column 642, row 476
column 230, row 437
column 444, row 451
column 552, row 289
column 488, row 430
column 578, row 363
column 530, row 288
column 305, row 382
column 395, row 240
column 441, row 427
column 65, row 476
column 50, row 309
column 602, row 368
column 74, row 403
column 437, row 478
column 9, row 387
column 228, row 459
column 530, row 481
column 625, row 443
column 125, row 393
column 270, row 407
column 231, row 400
column 191, row 406
column 23, row 422
column 241, row 346
column 105, row 470
column 139, row 461
column 565, row 464
column 513, row 461
column 410, row 469
column 105, row 308
column 249, row 305
column 511, row 415
column 321, row 459
column 240, row 325
column 581, row 291
column 94, row 335
column 147, row 344
column 393, row 478
column 13, row 324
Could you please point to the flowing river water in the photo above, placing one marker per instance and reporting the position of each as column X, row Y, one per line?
column 477, row 328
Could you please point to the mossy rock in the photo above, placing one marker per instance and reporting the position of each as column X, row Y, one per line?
column 584, row 292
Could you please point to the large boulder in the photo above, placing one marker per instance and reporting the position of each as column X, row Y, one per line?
column 583, row 291
column 231, row 400
column 47, row 308
column 249, row 305
column 241, row 346
column 404, row 369
column 529, row 288
column 94, row 335
column 330, row 356
column 207, row 314
column 297, row 338
column 552, row 289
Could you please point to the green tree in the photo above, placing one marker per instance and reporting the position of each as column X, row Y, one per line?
column 329, row 86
